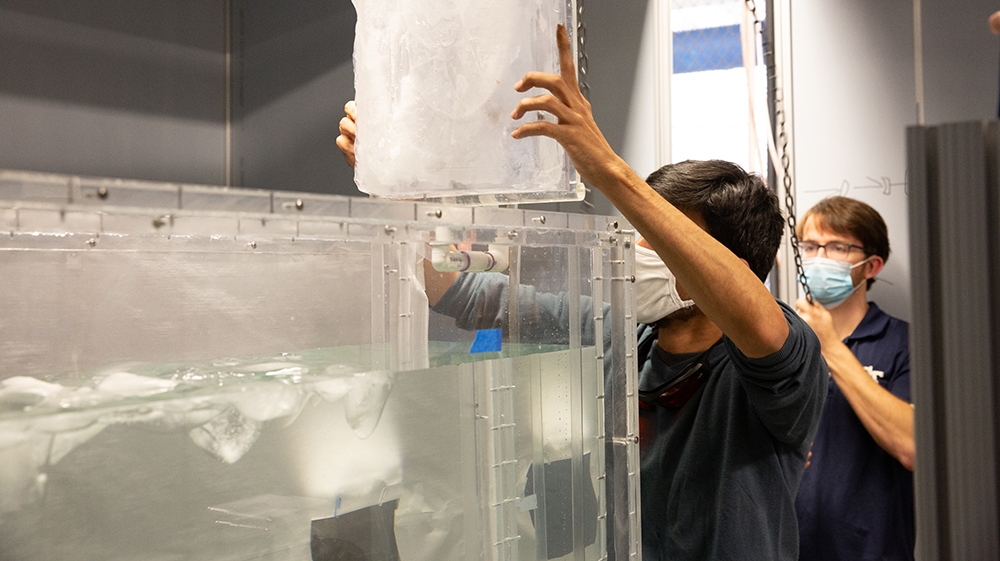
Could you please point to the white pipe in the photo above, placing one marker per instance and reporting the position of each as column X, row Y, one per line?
column 448, row 260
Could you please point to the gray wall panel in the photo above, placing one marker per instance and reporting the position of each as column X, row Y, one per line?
column 114, row 88
column 293, row 72
column 955, row 232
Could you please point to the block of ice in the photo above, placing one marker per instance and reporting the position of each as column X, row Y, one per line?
column 364, row 402
column 132, row 385
column 435, row 88
column 228, row 436
column 263, row 402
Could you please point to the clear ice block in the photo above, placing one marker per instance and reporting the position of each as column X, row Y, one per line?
column 434, row 86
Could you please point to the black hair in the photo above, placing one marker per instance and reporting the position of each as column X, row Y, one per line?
column 740, row 211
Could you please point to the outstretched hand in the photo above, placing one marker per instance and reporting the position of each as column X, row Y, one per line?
column 348, row 131
column 576, row 129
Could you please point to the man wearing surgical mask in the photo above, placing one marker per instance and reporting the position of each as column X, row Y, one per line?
column 856, row 496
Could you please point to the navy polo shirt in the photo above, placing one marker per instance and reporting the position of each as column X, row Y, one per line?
column 856, row 501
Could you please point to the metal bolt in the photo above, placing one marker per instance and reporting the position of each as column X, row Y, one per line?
column 628, row 244
column 512, row 234
column 252, row 245
column 614, row 225
column 539, row 219
column 102, row 192
column 390, row 229
column 92, row 242
column 435, row 213
column 631, row 278
column 299, row 204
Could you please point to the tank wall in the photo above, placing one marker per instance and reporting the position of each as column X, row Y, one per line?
column 212, row 381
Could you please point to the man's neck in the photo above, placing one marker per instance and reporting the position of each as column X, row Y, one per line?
column 848, row 315
column 687, row 335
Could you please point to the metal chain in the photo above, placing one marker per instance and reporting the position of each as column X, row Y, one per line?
column 786, row 163
column 581, row 42
column 581, row 65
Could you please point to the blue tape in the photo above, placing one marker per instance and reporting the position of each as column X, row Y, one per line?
column 487, row 341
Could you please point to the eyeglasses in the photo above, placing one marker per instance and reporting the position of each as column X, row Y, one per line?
column 833, row 250
column 676, row 392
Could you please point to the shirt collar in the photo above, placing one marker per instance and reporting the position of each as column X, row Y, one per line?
column 873, row 324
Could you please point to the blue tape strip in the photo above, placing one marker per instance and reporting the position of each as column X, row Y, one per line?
column 487, row 341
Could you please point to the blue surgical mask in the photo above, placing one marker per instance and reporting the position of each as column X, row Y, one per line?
column 830, row 281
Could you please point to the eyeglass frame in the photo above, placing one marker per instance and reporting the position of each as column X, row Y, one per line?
column 822, row 246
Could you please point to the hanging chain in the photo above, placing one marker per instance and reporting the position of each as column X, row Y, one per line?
column 581, row 65
column 786, row 164
column 581, row 45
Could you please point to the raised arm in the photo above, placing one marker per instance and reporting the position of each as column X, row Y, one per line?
column 723, row 286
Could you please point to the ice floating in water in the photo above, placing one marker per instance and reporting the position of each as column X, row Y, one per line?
column 263, row 402
column 365, row 401
column 132, row 385
column 228, row 436
column 223, row 405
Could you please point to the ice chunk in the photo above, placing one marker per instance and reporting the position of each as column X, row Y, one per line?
column 21, row 392
column 24, row 453
column 365, row 401
column 228, row 436
column 266, row 401
column 435, row 88
column 333, row 390
column 126, row 384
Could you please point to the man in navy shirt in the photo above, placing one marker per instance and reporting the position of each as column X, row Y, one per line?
column 856, row 498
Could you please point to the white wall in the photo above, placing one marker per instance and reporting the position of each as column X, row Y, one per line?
column 854, row 95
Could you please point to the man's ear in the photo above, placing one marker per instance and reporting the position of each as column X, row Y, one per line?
column 874, row 266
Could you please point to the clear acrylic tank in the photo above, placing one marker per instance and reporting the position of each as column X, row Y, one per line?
column 196, row 373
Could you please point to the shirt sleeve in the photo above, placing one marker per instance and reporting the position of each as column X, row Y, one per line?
column 482, row 301
column 787, row 388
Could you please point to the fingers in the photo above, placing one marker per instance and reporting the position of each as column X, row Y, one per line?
column 544, row 102
column 567, row 66
column 563, row 85
column 348, row 132
column 538, row 128
column 346, row 146
column 802, row 305
column 348, row 128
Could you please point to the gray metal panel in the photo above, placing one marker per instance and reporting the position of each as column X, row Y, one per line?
column 966, row 341
column 292, row 75
column 114, row 88
column 926, row 398
column 955, row 205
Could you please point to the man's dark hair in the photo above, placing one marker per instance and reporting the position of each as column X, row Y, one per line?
column 738, row 208
column 851, row 217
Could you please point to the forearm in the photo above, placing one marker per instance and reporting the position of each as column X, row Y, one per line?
column 722, row 285
column 888, row 419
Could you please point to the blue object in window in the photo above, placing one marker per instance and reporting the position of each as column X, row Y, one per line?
column 487, row 341
column 709, row 48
